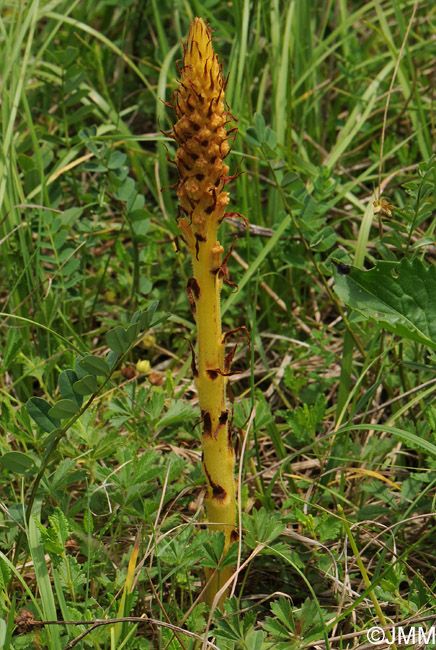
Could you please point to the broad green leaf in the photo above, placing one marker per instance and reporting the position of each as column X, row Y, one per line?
column 117, row 340
column 38, row 410
column 17, row 462
column 401, row 297
column 94, row 366
column 64, row 408
column 67, row 379
column 86, row 385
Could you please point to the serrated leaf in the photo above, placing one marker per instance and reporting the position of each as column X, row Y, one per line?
column 178, row 411
column 117, row 340
column 17, row 462
column 399, row 297
column 86, row 385
column 67, row 379
column 64, row 408
column 60, row 524
column 254, row 640
column 38, row 410
column 94, row 366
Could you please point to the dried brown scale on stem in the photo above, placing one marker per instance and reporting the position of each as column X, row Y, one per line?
column 203, row 143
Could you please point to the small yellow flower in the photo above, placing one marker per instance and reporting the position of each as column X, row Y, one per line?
column 143, row 367
column 148, row 341
column 110, row 296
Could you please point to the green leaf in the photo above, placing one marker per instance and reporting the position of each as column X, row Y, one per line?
column 64, row 408
column 262, row 527
column 94, row 366
column 38, row 410
column 50, row 437
column 324, row 239
column 126, row 190
column 145, row 318
column 259, row 125
column 17, row 462
column 86, row 385
column 116, row 160
column 251, row 137
column 399, row 297
column 178, row 411
column 213, row 549
column 117, row 340
column 132, row 332
column 67, row 379
column 254, row 640
column 111, row 359
column 80, row 372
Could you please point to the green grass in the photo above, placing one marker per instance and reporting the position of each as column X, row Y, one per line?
column 334, row 414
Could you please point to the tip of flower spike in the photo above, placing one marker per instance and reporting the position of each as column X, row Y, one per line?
column 199, row 45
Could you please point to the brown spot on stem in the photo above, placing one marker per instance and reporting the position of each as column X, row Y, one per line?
column 212, row 374
column 218, row 492
column 207, row 423
column 198, row 238
column 193, row 284
column 193, row 291
column 212, row 207
column 222, row 420
column 234, row 536
column 193, row 364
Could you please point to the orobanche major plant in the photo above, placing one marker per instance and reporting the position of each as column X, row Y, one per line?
column 202, row 139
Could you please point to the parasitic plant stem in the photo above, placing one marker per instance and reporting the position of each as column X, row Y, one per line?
column 202, row 139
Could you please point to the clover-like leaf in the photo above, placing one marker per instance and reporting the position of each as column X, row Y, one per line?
column 38, row 409
column 64, row 408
